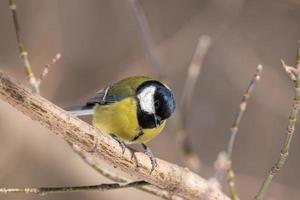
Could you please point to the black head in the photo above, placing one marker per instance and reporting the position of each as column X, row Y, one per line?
column 155, row 103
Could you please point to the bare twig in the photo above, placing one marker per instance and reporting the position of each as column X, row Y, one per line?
column 242, row 108
column 194, row 70
column 56, row 190
column 233, row 132
column 47, row 66
column 223, row 162
column 143, row 25
column 231, row 183
column 93, row 164
column 166, row 176
column 22, row 51
column 289, row 130
column 112, row 176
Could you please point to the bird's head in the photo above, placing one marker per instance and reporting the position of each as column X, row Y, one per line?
column 155, row 103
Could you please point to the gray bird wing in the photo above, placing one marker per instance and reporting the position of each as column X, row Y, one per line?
column 104, row 97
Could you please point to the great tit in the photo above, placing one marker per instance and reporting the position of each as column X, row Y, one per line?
column 133, row 110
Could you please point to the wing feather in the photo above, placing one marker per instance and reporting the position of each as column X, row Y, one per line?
column 103, row 97
column 118, row 91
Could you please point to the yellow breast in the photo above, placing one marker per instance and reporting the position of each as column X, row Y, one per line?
column 120, row 119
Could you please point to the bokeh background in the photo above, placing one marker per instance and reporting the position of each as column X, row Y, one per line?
column 100, row 43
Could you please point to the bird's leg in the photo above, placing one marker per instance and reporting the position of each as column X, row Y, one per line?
column 149, row 153
column 133, row 156
column 121, row 143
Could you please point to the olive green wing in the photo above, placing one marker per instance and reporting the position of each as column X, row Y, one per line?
column 118, row 91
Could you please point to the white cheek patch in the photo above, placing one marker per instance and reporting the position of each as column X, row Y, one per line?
column 146, row 98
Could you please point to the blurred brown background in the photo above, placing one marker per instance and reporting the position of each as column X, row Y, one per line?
column 100, row 43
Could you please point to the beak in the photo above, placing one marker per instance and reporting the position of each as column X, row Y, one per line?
column 157, row 120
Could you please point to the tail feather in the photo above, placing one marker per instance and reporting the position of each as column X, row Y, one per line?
column 80, row 110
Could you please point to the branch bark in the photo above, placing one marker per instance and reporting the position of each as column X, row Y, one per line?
column 171, row 177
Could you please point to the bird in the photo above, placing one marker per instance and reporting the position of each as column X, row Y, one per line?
column 133, row 111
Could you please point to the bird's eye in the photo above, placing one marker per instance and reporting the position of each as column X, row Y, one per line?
column 156, row 103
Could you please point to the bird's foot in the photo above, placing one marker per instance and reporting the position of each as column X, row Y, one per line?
column 121, row 143
column 133, row 157
column 149, row 153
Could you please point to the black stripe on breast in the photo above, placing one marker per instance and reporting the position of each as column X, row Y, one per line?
column 140, row 134
column 145, row 120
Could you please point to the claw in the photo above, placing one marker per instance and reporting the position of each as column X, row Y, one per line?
column 121, row 143
column 149, row 153
column 133, row 157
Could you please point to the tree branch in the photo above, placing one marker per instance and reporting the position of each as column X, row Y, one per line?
column 56, row 190
column 180, row 181
column 234, row 130
column 47, row 67
column 35, row 85
column 294, row 75
column 181, row 115
column 22, row 50
column 117, row 178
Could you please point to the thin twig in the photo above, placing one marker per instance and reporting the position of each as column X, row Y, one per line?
column 117, row 178
column 56, row 190
column 231, row 183
column 242, row 108
column 233, row 132
column 289, row 130
column 94, row 165
column 193, row 72
column 22, row 50
column 143, row 25
column 47, row 67
column 180, row 181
